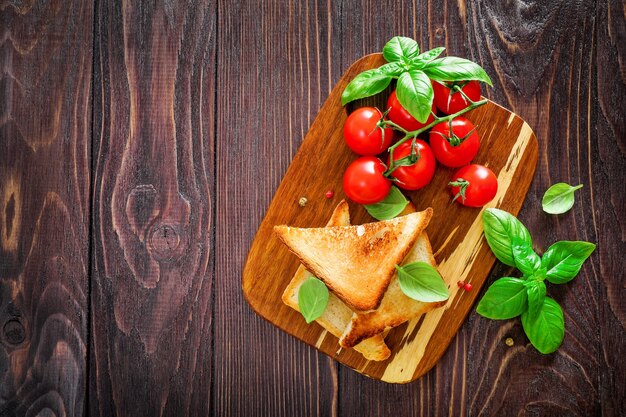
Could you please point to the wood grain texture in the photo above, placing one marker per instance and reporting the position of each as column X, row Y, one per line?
column 277, row 72
column 508, row 146
column 45, row 128
column 153, row 199
column 559, row 65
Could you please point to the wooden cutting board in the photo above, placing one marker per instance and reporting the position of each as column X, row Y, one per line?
column 508, row 147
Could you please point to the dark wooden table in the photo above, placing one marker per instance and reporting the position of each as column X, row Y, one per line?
column 141, row 142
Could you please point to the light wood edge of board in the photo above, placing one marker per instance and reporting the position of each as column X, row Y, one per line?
column 320, row 334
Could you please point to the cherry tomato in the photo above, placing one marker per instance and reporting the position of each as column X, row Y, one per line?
column 363, row 181
column 457, row 147
column 363, row 136
column 474, row 185
column 418, row 175
column 400, row 116
column 449, row 101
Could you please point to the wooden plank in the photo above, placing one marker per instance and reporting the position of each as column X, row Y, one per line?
column 508, row 146
column 278, row 65
column 604, row 139
column 153, row 198
column 45, row 125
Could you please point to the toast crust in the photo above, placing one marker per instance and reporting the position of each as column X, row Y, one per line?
column 356, row 262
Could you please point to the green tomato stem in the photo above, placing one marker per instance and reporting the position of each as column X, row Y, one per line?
column 413, row 134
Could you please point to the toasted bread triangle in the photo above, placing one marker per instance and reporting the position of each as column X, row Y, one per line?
column 337, row 315
column 356, row 262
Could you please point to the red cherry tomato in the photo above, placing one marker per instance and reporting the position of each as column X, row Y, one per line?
column 449, row 101
column 363, row 181
column 418, row 175
column 363, row 136
column 457, row 147
column 400, row 116
column 474, row 185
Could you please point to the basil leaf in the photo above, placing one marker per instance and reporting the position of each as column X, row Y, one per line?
column 400, row 47
column 559, row 198
column 426, row 57
column 500, row 230
column 547, row 329
column 452, row 68
column 421, row 282
column 365, row 84
column 392, row 69
column 564, row 259
column 525, row 257
column 536, row 291
column 390, row 207
column 506, row 298
column 312, row 299
column 415, row 94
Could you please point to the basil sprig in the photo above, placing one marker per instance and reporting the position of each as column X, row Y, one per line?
column 414, row 72
column 421, row 281
column 559, row 198
column 542, row 317
column 312, row 299
column 390, row 207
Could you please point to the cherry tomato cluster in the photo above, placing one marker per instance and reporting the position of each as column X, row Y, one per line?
column 411, row 164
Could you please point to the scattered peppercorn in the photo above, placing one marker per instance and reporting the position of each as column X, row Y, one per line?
column 330, row 194
column 467, row 287
column 509, row 341
column 302, row 201
column 460, row 284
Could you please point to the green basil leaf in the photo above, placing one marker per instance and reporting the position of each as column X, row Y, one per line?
column 421, row 282
column 452, row 68
column 506, row 298
column 424, row 58
column 500, row 230
column 392, row 69
column 415, row 94
column 547, row 329
column 525, row 257
column 536, row 291
column 564, row 259
column 312, row 299
column 559, row 198
column 390, row 207
column 400, row 47
column 365, row 84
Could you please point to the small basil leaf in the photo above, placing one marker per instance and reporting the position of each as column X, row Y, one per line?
column 365, row 84
column 400, row 47
column 564, row 259
column 424, row 58
column 392, row 69
column 525, row 257
column 536, row 291
column 452, row 68
column 506, row 298
column 500, row 230
column 390, row 207
column 421, row 282
column 547, row 329
column 415, row 94
column 312, row 299
column 559, row 198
